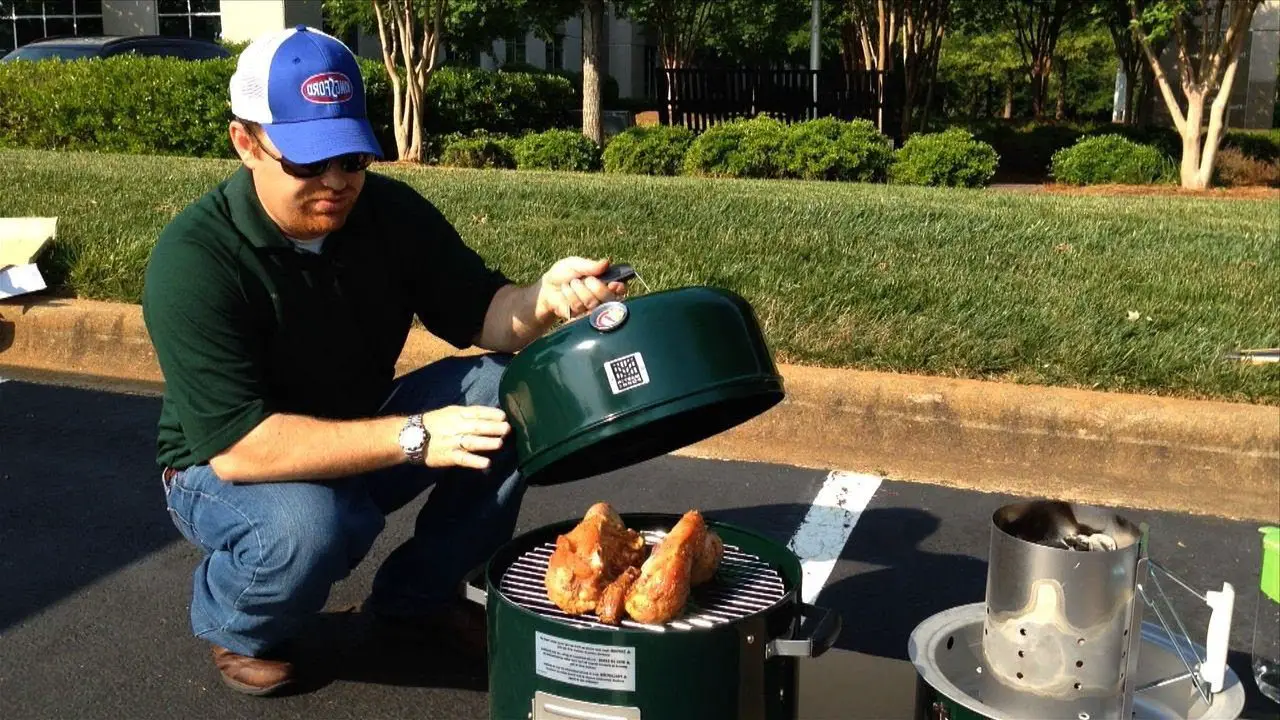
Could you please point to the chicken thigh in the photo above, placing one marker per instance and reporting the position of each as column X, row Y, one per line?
column 661, row 591
column 590, row 557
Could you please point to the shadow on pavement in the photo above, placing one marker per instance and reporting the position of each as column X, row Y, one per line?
column 882, row 606
column 80, row 494
column 345, row 646
column 902, row 583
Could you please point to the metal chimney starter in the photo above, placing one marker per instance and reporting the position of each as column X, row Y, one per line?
column 1062, row 614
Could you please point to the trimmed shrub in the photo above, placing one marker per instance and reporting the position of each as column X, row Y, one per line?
column 479, row 151
column 1111, row 159
column 831, row 149
column 653, row 150
column 168, row 106
column 1164, row 139
column 124, row 104
column 952, row 158
column 567, row 150
column 1233, row 168
column 504, row 103
column 738, row 149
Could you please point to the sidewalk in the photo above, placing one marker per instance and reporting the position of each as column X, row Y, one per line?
column 1198, row 457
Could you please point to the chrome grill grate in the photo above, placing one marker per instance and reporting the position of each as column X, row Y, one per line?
column 744, row 585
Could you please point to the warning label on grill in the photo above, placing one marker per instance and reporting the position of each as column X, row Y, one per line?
column 607, row 667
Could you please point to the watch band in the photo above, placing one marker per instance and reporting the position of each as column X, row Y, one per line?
column 415, row 449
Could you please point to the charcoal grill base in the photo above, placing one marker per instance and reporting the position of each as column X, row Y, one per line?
column 734, row 667
column 946, row 650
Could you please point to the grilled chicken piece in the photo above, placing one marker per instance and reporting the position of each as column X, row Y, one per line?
column 589, row 557
column 707, row 560
column 661, row 591
column 611, row 604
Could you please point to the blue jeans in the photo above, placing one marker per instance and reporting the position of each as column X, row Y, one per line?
column 272, row 551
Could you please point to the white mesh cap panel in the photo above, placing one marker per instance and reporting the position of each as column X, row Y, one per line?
column 249, row 82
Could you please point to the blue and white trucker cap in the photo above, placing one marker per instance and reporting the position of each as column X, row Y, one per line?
column 304, row 88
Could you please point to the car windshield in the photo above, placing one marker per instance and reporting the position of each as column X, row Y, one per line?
column 52, row 53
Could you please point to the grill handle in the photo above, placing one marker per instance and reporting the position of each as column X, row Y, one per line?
column 477, row 595
column 824, row 635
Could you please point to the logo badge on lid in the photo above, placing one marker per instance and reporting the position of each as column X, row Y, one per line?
column 609, row 316
column 328, row 88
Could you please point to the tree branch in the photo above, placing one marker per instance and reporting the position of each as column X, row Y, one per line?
column 1162, row 80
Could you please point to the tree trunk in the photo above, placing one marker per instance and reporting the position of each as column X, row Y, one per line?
column 1131, row 79
column 592, row 40
column 908, row 100
column 1144, row 104
column 1041, row 70
column 1190, row 170
column 1008, row 100
column 928, row 95
column 1062, row 90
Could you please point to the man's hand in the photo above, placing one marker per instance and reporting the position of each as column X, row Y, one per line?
column 570, row 288
column 458, row 433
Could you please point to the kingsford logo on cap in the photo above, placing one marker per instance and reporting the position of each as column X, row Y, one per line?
column 327, row 88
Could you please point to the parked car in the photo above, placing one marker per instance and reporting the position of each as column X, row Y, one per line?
column 72, row 48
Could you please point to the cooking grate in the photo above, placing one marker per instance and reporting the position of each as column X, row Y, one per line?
column 744, row 585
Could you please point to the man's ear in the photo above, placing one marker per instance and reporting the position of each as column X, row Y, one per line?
column 242, row 142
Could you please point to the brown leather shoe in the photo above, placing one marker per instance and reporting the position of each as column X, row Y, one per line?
column 251, row 675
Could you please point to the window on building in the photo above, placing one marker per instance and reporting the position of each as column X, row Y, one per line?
column 23, row 21
column 516, row 49
column 555, row 52
column 190, row 18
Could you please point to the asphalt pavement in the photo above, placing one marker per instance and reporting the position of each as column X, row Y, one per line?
column 95, row 580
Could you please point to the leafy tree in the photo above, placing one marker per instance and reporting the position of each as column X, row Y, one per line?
column 1085, row 73
column 883, row 33
column 759, row 33
column 1036, row 27
column 973, row 67
column 412, row 32
column 1207, row 38
column 1139, row 79
column 682, row 25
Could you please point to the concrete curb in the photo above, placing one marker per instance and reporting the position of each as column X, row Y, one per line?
column 1199, row 457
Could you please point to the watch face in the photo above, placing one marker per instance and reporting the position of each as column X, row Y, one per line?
column 412, row 437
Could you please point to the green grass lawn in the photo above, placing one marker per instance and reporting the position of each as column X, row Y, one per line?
column 1025, row 287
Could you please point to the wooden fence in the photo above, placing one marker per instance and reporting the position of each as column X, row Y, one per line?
column 698, row 99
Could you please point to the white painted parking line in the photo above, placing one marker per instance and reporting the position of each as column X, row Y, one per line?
column 827, row 526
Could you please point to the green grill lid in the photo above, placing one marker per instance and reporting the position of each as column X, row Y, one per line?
column 637, row 379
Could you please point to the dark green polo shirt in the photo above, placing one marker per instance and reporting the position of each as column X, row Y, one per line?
column 245, row 324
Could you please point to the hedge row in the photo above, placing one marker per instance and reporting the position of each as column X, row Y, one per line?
column 761, row 147
column 168, row 106
column 1028, row 149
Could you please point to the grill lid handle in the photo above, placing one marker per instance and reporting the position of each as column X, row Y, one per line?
column 823, row 637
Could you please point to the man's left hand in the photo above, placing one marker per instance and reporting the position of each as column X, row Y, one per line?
column 571, row 288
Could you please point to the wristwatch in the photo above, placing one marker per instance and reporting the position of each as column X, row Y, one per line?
column 414, row 438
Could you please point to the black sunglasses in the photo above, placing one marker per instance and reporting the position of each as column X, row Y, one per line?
column 349, row 163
